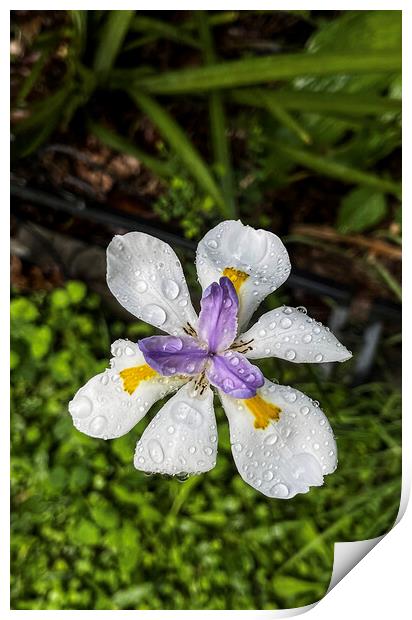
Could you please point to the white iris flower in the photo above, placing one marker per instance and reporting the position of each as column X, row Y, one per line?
column 281, row 441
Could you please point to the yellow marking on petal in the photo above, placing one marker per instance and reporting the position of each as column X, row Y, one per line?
column 131, row 377
column 263, row 411
column 236, row 277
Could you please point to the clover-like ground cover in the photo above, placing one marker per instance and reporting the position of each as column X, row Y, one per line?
column 90, row 532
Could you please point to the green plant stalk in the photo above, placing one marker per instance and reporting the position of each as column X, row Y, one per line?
column 121, row 144
column 267, row 69
column 305, row 101
column 283, row 116
column 110, row 41
column 386, row 277
column 220, row 143
column 337, row 170
column 33, row 76
column 149, row 25
column 178, row 140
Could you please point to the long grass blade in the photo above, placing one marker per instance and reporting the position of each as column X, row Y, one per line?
column 111, row 38
column 220, row 143
column 283, row 116
column 121, row 144
column 182, row 146
column 324, row 102
column 337, row 170
column 249, row 71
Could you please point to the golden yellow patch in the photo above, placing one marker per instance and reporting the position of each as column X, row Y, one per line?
column 236, row 277
column 131, row 377
column 263, row 411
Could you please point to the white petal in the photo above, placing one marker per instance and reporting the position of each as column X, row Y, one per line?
column 258, row 253
column 146, row 277
column 102, row 408
column 292, row 335
column 182, row 437
column 288, row 456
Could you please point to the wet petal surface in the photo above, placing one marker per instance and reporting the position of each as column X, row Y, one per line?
column 234, row 375
column 218, row 315
column 182, row 437
column 173, row 355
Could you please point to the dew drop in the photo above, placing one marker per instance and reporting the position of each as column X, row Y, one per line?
column 81, row 407
column 141, row 286
column 156, row 451
column 186, row 414
column 170, row 289
column 208, row 451
column 213, row 244
column 234, row 361
column 270, row 440
column 228, row 384
column 307, row 338
column 238, row 447
column 171, row 430
column 129, row 351
column 290, row 355
column 268, row 475
column 304, row 410
column 192, row 449
column 98, row 425
column 104, row 379
column 262, row 332
column 154, row 314
column 318, row 357
column 285, row 323
column 280, row 490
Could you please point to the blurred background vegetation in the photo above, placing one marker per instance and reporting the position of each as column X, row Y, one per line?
column 176, row 120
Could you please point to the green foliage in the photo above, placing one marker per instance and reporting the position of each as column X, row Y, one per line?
column 90, row 532
column 184, row 203
column 339, row 95
column 361, row 209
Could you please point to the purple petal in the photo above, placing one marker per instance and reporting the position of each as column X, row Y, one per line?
column 218, row 315
column 235, row 375
column 173, row 355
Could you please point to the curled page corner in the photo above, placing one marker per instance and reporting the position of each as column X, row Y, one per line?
column 348, row 554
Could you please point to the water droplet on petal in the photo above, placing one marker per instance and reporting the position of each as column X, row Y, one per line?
column 318, row 357
column 234, row 361
column 98, row 425
column 280, row 490
column 141, row 286
column 81, row 407
column 154, row 314
column 156, row 451
column 267, row 475
column 304, row 410
column 170, row 289
column 186, row 414
column 307, row 338
column 290, row 355
column 212, row 244
column 270, row 440
column 285, row 323
column 129, row 351
column 104, row 379
column 238, row 447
